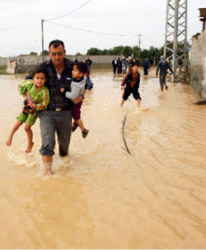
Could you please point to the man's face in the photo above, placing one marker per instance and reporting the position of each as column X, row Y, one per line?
column 57, row 55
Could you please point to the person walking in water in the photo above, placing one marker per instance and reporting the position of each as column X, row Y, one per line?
column 146, row 65
column 77, row 88
column 130, row 85
column 163, row 66
column 36, row 99
column 57, row 119
column 114, row 65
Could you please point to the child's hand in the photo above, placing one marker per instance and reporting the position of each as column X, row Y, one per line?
column 122, row 87
column 62, row 90
column 30, row 103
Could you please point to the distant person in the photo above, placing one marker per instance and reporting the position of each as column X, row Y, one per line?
column 119, row 66
column 124, row 65
column 146, row 65
column 163, row 66
column 130, row 85
column 114, row 65
column 130, row 63
column 89, row 84
column 137, row 61
column 88, row 63
column 36, row 99
column 77, row 89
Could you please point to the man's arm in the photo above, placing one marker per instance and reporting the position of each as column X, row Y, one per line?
column 170, row 68
column 158, row 67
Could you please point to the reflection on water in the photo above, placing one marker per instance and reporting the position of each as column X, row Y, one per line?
column 101, row 197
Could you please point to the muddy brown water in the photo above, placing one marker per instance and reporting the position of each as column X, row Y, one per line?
column 100, row 196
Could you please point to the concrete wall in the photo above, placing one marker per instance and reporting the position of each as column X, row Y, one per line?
column 25, row 63
column 198, row 64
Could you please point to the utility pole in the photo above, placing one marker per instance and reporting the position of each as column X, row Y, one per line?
column 175, row 46
column 139, row 46
column 42, row 38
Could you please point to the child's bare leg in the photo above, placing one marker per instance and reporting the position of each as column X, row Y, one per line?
column 30, row 137
column 14, row 129
column 122, row 102
column 165, row 85
column 138, row 103
column 80, row 123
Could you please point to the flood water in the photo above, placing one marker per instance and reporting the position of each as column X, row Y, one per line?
column 100, row 196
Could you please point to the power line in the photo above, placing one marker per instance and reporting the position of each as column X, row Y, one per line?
column 23, row 25
column 17, row 26
column 89, row 31
column 69, row 12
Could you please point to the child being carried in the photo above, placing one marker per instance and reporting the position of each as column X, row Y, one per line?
column 77, row 89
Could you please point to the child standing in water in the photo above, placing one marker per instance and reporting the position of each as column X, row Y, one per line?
column 36, row 99
column 77, row 89
column 132, row 81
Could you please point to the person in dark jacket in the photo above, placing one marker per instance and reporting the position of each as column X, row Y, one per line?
column 130, row 85
column 57, row 118
column 88, row 63
column 163, row 66
column 119, row 66
column 146, row 65
column 114, row 65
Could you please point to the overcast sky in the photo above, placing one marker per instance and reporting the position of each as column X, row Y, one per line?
column 20, row 24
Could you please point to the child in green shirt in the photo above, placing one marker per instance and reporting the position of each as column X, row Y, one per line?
column 36, row 99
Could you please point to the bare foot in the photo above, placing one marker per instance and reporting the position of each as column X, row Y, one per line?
column 29, row 148
column 48, row 171
column 8, row 142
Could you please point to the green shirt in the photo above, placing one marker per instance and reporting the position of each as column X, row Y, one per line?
column 40, row 96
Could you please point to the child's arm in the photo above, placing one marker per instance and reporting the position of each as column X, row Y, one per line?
column 124, row 81
column 43, row 100
column 75, row 90
column 24, row 86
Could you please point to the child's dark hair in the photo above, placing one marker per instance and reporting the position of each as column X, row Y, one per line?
column 82, row 67
column 135, row 63
column 39, row 69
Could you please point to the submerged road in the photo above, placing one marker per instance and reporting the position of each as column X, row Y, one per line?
column 100, row 196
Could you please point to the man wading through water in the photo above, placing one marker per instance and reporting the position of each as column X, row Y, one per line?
column 163, row 66
column 57, row 118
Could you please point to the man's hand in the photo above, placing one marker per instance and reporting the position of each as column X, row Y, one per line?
column 122, row 87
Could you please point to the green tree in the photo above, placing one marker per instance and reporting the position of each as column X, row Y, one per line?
column 136, row 51
column 33, row 53
column 127, row 51
column 46, row 53
column 78, row 54
column 118, row 50
column 94, row 51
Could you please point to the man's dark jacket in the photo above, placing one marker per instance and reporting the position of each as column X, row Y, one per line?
column 57, row 99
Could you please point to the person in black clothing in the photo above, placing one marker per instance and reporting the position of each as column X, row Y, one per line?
column 88, row 63
column 146, row 65
column 163, row 66
column 114, row 65
column 119, row 66
column 130, row 85
column 57, row 118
